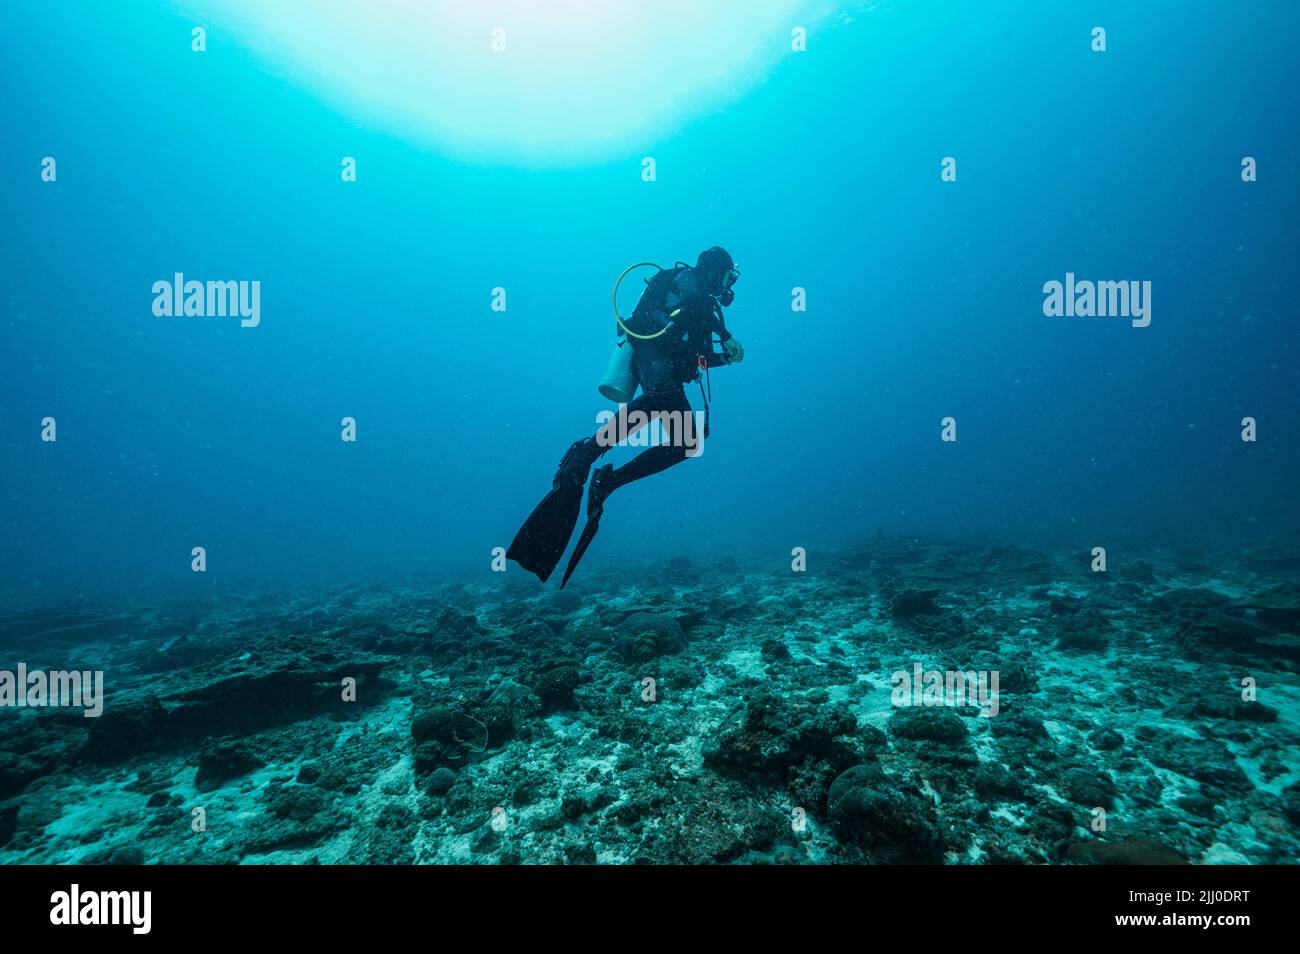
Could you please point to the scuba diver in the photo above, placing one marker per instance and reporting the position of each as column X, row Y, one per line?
column 669, row 343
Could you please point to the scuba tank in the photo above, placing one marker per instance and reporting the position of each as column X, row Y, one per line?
column 620, row 380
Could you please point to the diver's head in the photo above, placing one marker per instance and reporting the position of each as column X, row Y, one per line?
column 719, row 272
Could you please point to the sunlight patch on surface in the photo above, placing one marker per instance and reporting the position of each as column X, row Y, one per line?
column 577, row 82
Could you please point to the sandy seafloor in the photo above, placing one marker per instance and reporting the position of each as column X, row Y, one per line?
column 500, row 721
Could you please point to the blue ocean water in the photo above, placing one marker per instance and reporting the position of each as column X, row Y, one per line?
column 924, row 297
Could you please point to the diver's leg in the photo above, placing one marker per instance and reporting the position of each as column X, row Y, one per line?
column 646, row 407
column 643, row 406
column 663, row 456
column 542, row 539
column 645, row 464
column 608, row 478
column 577, row 461
column 582, row 454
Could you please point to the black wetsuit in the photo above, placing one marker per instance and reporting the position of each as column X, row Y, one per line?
column 666, row 363
column 678, row 303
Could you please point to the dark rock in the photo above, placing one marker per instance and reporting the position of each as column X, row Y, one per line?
column 1283, row 646
column 441, row 781
column 1212, row 630
column 1230, row 707
column 994, row 781
column 644, row 636
column 222, row 761
column 912, row 603
column 1092, row 788
column 582, row 854
column 439, row 724
column 1085, row 631
column 891, row 823
column 1206, row 760
column 118, row 854
column 928, row 724
column 1135, row 851
column 1279, row 608
column 127, row 728
column 442, row 735
column 8, row 822
column 1190, row 601
column 716, row 822
column 1106, row 739
column 296, row 803
column 945, row 629
column 1019, row 725
column 1197, row 805
column 297, row 817
column 1014, row 676
column 1141, row 572
column 238, row 695
column 773, row 650
column 16, row 771
column 389, row 839
column 457, row 627
column 1291, row 802
column 774, row 734
column 507, row 712
column 555, row 688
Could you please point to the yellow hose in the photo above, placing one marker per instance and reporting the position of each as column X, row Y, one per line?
column 626, row 329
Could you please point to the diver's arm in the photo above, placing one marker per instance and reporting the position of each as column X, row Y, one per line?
column 702, row 309
column 715, row 322
column 715, row 359
column 733, row 352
